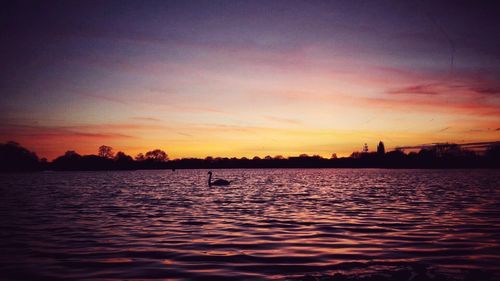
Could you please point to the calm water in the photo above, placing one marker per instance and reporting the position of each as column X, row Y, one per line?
column 269, row 224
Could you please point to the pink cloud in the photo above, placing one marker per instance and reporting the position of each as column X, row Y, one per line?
column 147, row 119
column 421, row 89
column 53, row 141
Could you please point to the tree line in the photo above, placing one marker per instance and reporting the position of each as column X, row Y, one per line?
column 15, row 158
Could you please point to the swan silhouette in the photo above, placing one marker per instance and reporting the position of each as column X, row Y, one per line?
column 217, row 182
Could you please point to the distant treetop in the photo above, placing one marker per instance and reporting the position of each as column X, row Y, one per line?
column 157, row 155
column 105, row 151
column 380, row 148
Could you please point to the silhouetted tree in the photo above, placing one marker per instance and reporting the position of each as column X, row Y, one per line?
column 44, row 164
column 365, row 148
column 157, row 155
column 395, row 157
column 69, row 161
column 334, row 156
column 124, row 161
column 15, row 158
column 380, row 148
column 71, row 154
column 105, row 151
column 355, row 155
column 492, row 155
column 121, row 156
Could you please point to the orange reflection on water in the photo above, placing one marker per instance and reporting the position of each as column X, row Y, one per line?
column 116, row 260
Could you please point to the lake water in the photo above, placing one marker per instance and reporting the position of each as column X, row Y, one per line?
column 268, row 224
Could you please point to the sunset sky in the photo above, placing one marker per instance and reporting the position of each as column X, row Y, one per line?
column 245, row 78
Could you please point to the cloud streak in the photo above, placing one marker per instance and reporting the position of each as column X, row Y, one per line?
column 147, row 119
column 41, row 132
column 422, row 89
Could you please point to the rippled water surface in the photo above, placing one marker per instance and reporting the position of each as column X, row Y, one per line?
column 268, row 224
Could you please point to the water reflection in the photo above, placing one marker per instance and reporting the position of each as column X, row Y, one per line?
column 268, row 224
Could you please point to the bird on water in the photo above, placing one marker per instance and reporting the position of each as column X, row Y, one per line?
column 217, row 182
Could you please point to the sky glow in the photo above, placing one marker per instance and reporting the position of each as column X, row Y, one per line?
column 246, row 78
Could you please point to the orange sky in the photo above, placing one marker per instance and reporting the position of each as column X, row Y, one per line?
column 245, row 81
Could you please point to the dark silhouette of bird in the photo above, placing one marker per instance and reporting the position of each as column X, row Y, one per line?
column 217, row 182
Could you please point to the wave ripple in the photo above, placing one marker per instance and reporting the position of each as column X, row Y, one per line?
column 315, row 224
